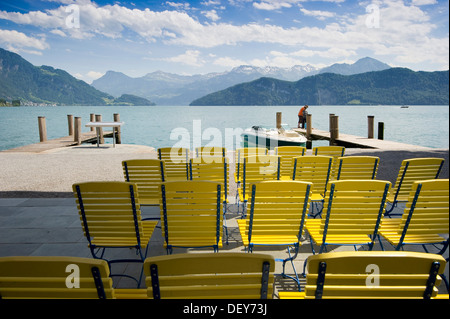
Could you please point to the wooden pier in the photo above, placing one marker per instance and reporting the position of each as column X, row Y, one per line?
column 75, row 137
column 352, row 141
column 88, row 137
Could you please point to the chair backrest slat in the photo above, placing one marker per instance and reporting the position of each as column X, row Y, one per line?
column 374, row 274
column 211, row 275
column 54, row 277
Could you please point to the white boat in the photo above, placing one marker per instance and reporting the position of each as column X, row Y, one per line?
column 263, row 136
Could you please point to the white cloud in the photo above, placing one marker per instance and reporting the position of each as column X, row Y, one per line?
column 423, row 2
column 18, row 41
column 404, row 31
column 321, row 15
column 190, row 57
column 229, row 62
column 212, row 15
column 94, row 75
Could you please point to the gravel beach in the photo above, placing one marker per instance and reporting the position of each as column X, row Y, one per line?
column 52, row 173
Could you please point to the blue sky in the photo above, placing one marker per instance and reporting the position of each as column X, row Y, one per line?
column 88, row 38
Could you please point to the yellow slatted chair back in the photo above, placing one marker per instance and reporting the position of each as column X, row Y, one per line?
column 239, row 156
column 148, row 174
column 354, row 207
column 425, row 217
column 373, row 274
column 287, row 154
column 210, row 276
column 210, row 151
column 357, row 167
column 191, row 215
column 412, row 170
column 277, row 213
column 257, row 169
column 211, row 168
column 176, row 162
column 110, row 214
column 314, row 169
column 334, row 151
column 54, row 278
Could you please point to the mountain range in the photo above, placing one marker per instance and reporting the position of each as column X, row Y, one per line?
column 29, row 84
column 394, row 86
column 173, row 89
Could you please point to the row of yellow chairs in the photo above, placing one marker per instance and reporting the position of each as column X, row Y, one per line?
column 191, row 215
column 347, row 275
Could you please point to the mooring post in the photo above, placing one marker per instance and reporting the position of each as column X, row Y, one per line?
column 278, row 120
column 77, row 135
column 98, row 118
column 42, row 129
column 70, row 123
column 92, row 119
column 334, row 131
column 118, row 133
column 381, row 130
column 308, row 131
column 370, row 119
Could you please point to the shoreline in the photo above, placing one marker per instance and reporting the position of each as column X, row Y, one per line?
column 52, row 173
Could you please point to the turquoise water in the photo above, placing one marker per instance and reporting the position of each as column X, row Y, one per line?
column 161, row 126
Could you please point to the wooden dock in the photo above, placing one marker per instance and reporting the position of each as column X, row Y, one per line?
column 352, row 141
column 88, row 137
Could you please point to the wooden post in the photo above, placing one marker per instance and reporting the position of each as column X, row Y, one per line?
column 70, row 123
column 77, row 135
column 308, row 131
column 334, row 132
column 381, row 130
column 278, row 119
column 370, row 119
column 98, row 118
column 331, row 125
column 118, row 134
column 92, row 119
column 42, row 129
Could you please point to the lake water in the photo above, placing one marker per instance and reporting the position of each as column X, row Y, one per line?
column 162, row 126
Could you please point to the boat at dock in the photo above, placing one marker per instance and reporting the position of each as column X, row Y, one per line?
column 263, row 136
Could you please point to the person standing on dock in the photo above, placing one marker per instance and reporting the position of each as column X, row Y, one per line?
column 302, row 116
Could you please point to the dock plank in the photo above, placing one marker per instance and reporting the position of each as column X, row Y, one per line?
column 66, row 141
column 353, row 141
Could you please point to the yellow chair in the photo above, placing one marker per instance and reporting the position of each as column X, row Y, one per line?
column 357, row 167
column 353, row 214
column 256, row 169
column 176, row 162
column 210, row 276
column 411, row 170
column 210, row 151
column 277, row 216
column 212, row 168
column 425, row 217
column 59, row 278
column 111, row 218
column 148, row 174
column 372, row 275
column 239, row 156
column 334, row 151
column 317, row 170
column 287, row 154
column 191, row 215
